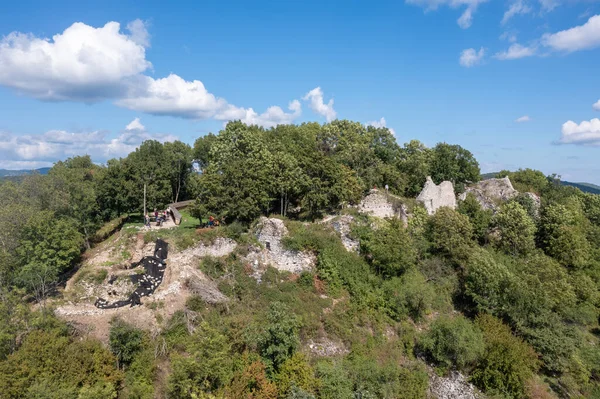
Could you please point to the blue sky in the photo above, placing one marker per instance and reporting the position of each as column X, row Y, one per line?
column 460, row 71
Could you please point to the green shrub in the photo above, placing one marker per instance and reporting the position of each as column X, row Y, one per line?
column 507, row 362
column 450, row 234
column 334, row 380
column 296, row 372
column 206, row 368
column 280, row 338
column 125, row 340
column 391, row 249
column 453, row 341
column 409, row 295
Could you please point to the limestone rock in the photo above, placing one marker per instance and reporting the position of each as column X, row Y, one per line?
column 270, row 231
column 436, row 196
column 455, row 386
column 537, row 202
column 489, row 193
column 342, row 226
column 382, row 205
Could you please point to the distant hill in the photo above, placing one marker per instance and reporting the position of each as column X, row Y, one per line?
column 22, row 172
column 585, row 187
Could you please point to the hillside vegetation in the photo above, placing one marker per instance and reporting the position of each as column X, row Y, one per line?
column 506, row 299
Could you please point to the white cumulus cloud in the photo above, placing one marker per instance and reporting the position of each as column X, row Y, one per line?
column 471, row 57
column 524, row 118
column 135, row 125
column 516, row 51
column 518, row 7
column 596, row 105
column 315, row 96
column 381, row 123
column 585, row 133
column 89, row 64
column 175, row 96
column 466, row 18
column 583, row 37
column 83, row 63
column 273, row 116
column 33, row 151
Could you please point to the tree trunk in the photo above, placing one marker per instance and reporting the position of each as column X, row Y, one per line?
column 87, row 239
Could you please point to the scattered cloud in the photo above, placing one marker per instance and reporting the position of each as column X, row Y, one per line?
column 381, row 123
column 510, row 36
column 549, row 5
column 518, row 7
column 81, row 64
column 596, row 105
column 315, row 96
column 524, row 118
column 466, row 18
column 516, row 51
column 34, row 151
column 583, row 37
column 471, row 57
column 273, row 116
column 135, row 125
column 585, row 133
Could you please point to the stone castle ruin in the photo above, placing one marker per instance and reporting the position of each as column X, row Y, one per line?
column 491, row 192
column 147, row 282
column 435, row 196
column 382, row 205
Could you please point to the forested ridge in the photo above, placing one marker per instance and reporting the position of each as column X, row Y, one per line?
column 507, row 297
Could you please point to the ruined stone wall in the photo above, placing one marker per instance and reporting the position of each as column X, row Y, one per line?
column 435, row 196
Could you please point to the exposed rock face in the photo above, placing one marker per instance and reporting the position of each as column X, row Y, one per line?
column 454, row 386
column 342, row 226
column 489, row 193
column 325, row 347
column 378, row 204
column 537, row 203
column 436, row 196
column 270, row 231
column 220, row 247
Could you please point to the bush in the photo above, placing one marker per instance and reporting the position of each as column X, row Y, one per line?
column 252, row 383
column 409, row 295
column 206, row 368
column 391, row 249
column 125, row 340
column 450, row 234
column 507, row 362
column 516, row 228
column 280, row 338
column 453, row 341
column 296, row 372
column 335, row 381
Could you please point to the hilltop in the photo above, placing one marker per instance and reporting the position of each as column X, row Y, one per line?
column 311, row 261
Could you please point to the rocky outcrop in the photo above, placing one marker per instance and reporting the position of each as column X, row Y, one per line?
column 269, row 233
column 382, row 205
column 342, row 226
column 455, row 386
column 491, row 192
column 435, row 196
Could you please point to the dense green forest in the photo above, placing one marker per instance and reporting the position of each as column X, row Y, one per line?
column 508, row 298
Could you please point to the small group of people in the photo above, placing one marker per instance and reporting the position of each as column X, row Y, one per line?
column 159, row 216
column 212, row 222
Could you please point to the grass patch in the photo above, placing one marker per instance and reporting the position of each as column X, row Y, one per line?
column 109, row 228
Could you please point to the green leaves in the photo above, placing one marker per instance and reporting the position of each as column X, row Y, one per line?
column 516, row 229
column 280, row 339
